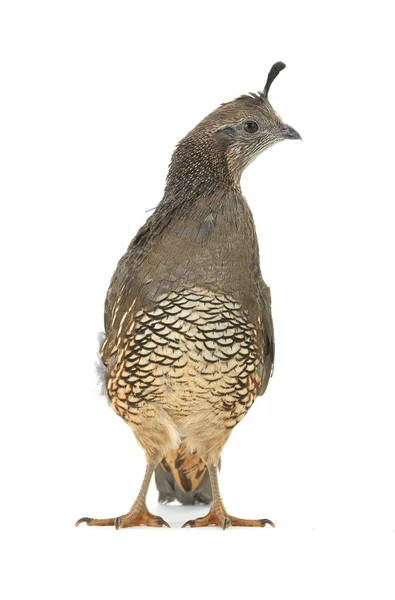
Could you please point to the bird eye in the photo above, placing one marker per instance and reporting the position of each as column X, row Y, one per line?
column 250, row 126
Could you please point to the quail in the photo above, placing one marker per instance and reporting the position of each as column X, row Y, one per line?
column 189, row 341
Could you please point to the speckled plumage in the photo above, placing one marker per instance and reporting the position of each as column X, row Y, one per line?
column 196, row 340
column 189, row 336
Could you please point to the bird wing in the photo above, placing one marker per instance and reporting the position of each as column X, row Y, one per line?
column 268, row 338
column 122, row 294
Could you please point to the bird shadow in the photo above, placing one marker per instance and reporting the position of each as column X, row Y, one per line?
column 177, row 514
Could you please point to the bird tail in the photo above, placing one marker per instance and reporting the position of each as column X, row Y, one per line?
column 183, row 476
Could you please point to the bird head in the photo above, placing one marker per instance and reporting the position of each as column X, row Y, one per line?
column 232, row 136
column 248, row 125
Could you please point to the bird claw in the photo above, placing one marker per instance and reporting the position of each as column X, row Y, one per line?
column 222, row 519
column 266, row 522
column 162, row 522
column 190, row 523
column 131, row 519
column 83, row 520
column 212, row 518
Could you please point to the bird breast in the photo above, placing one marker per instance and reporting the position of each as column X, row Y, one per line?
column 193, row 350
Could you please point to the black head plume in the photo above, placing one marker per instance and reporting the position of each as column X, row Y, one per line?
column 274, row 71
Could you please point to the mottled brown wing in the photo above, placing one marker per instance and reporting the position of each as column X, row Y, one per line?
column 268, row 338
column 119, row 314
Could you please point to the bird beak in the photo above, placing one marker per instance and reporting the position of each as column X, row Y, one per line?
column 289, row 133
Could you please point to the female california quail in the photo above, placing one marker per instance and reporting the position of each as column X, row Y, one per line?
column 189, row 336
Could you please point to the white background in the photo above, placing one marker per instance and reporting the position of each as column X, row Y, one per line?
column 95, row 95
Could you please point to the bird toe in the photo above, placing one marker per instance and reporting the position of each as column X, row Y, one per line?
column 86, row 520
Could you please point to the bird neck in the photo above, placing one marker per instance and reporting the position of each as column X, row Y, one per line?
column 199, row 167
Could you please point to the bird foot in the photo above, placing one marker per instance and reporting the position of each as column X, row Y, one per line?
column 221, row 518
column 132, row 519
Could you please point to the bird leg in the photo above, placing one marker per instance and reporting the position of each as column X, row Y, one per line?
column 138, row 514
column 217, row 514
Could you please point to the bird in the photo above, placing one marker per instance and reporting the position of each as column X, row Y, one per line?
column 189, row 341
